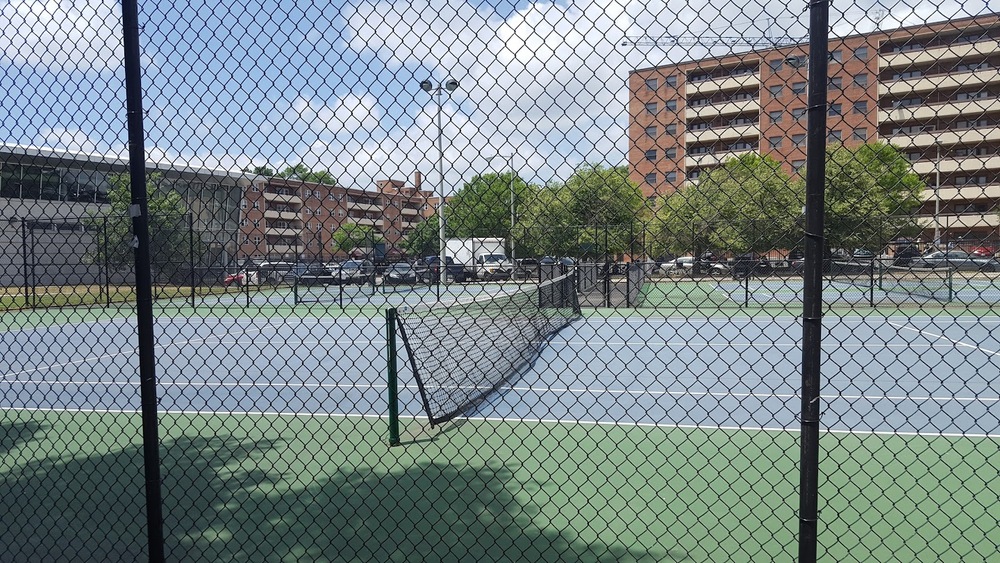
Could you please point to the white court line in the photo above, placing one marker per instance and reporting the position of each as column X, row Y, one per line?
column 530, row 389
column 956, row 343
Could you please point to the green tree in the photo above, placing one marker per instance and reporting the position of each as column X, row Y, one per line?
column 482, row 207
column 350, row 237
column 871, row 196
column 260, row 170
column 171, row 236
column 424, row 239
column 302, row 172
column 748, row 204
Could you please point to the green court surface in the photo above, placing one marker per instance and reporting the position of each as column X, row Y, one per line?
column 329, row 488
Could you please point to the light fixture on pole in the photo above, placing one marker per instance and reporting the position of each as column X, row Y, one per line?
column 427, row 86
column 513, row 218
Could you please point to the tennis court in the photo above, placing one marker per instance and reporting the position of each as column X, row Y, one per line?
column 308, row 392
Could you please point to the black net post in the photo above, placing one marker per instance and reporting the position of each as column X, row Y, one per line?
column 106, row 260
column 24, row 262
column 391, row 373
column 190, row 226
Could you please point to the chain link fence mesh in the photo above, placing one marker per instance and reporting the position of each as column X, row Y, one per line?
column 596, row 220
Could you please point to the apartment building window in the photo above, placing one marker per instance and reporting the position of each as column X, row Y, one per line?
column 256, row 222
column 670, row 153
column 672, row 80
column 244, row 222
column 243, row 204
column 308, row 194
column 652, row 108
column 776, row 91
column 775, row 116
column 860, row 107
column 907, row 47
column 670, row 177
column 834, row 137
column 861, row 53
column 699, row 126
column 908, row 102
column 651, row 155
column 255, row 188
column 907, row 74
column 701, row 150
column 341, row 213
column 799, row 140
column 972, row 124
column 798, row 113
column 741, row 97
column 256, row 205
column 651, row 178
column 693, row 175
column 835, row 110
column 652, row 83
column 914, row 156
column 671, row 129
column 671, row 105
column 741, row 146
column 776, row 64
column 741, row 121
column 837, row 56
column 651, row 131
column 318, row 212
column 972, row 67
column 860, row 134
column 971, row 151
column 798, row 165
column 257, row 241
column 971, row 181
column 798, row 87
column 981, row 94
column 835, row 83
column 774, row 142
column 861, row 80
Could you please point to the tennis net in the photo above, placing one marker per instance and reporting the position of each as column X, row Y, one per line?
column 861, row 274
column 932, row 283
column 462, row 351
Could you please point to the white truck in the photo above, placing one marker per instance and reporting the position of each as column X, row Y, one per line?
column 482, row 258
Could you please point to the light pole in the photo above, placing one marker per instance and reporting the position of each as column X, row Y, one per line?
column 427, row 86
column 510, row 165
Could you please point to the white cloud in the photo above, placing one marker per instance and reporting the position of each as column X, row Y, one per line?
column 62, row 33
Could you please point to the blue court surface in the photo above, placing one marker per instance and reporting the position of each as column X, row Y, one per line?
column 896, row 375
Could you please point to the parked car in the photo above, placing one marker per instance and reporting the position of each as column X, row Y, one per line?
column 904, row 255
column 400, row 273
column 750, row 264
column 526, row 268
column 317, row 274
column 429, row 269
column 956, row 259
column 677, row 265
column 354, row 271
column 983, row 251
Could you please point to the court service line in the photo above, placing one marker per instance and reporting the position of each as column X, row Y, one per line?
column 957, row 343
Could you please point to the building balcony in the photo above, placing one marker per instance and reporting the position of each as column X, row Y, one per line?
column 281, row 215
column 964, row 193
column 285, row 248
column 713, row 159
column 279, row 198
column 281, row 232
column 722, row 134
column 408, row 211
column 727, row 83
column 949, row 110
column 970, row 164
column 363, row 206
column 949, row 81
column 724, row 108
column 945, row 138
column 962, row 221
column 364, row 221
column 936, row 54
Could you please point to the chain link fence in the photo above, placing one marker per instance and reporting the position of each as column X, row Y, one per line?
column 600, row 281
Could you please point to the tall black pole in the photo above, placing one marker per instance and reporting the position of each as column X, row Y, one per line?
column 812, row 306
column 139, row 211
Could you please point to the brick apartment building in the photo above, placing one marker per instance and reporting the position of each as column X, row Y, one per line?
column 932, row 90
column 292, row 220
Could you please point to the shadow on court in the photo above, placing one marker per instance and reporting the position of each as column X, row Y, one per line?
column 229, row 497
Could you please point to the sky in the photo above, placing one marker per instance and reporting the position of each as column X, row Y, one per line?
column 336, row 85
